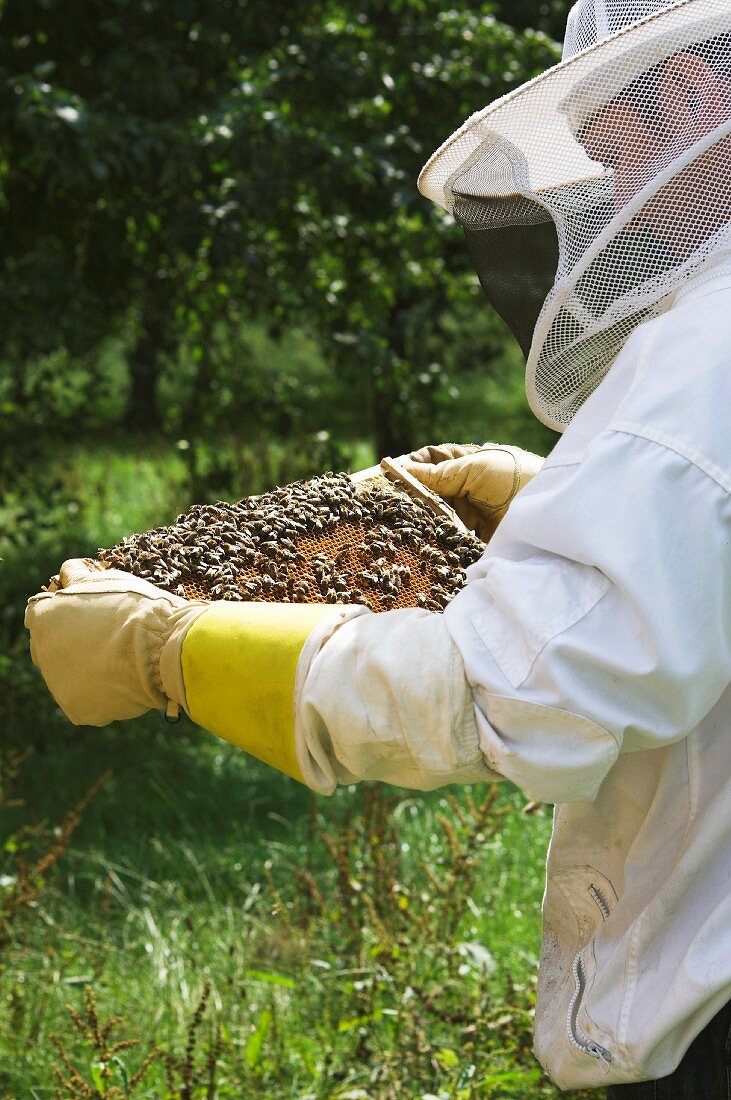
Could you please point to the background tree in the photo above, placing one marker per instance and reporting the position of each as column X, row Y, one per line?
column 108, row 172
column 168, row 170
column 363, row 98
column 548, row 15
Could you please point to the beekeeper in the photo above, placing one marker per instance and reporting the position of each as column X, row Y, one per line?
column 589, row 658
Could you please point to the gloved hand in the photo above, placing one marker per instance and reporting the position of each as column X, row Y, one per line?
column 111, row 646
column 478, row 482
column 105, row 642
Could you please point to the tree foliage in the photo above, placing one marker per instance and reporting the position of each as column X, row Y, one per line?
column 364, row 97
column 543, row 15
column 168, row 169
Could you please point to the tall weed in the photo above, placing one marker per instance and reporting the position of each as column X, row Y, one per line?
column 30, row 850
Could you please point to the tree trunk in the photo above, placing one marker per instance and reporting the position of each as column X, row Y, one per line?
column 392, row 428
column 145, row 363
column 389, row 433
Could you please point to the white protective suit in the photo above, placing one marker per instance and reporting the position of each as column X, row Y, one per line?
column 589, row 661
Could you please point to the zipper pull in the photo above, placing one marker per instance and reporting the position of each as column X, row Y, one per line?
column 602, row 1056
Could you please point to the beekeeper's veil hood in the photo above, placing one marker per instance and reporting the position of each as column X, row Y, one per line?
column 590, row 194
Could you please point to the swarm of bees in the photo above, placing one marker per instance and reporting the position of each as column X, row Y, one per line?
column 327, row 540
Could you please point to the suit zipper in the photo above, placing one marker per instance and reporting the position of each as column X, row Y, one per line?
column 581, row 1041
column 600, row 900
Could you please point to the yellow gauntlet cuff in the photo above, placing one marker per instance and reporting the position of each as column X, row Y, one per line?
column 239, row 666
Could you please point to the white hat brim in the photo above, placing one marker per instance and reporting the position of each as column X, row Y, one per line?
column 539, row 120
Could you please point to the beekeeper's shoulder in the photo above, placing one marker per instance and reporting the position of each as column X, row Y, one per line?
column 681, row 389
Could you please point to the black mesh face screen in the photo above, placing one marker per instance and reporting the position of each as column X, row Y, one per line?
column 516, row 266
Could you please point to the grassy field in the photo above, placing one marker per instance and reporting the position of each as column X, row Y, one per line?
column 257, row 941
column 378, row 944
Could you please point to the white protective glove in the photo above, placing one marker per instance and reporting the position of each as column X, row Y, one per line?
column 478, row 482
column 108, row 644
column 111, row 646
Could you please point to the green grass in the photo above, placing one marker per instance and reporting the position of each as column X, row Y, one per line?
column 120, row 486
column 185, row 869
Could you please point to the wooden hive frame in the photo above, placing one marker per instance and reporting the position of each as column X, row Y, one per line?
column 376, row 537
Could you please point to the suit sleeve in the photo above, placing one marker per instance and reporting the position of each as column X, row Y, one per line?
column 597, row 622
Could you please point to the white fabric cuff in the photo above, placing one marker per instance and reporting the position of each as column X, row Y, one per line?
column 385, row 697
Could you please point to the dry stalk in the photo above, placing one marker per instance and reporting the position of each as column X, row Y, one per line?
column 70, row 1084
column 30, row 878
column 186, row 1075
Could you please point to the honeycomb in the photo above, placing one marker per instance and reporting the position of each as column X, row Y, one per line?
column 332, row 539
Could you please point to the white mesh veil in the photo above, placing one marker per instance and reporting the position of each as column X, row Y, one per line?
column 590, row 22
column 592, row 193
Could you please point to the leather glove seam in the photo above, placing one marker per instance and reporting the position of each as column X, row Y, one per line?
column 158, row 629
column 493, row 509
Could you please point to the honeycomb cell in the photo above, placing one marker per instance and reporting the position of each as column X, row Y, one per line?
column 329, row 539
